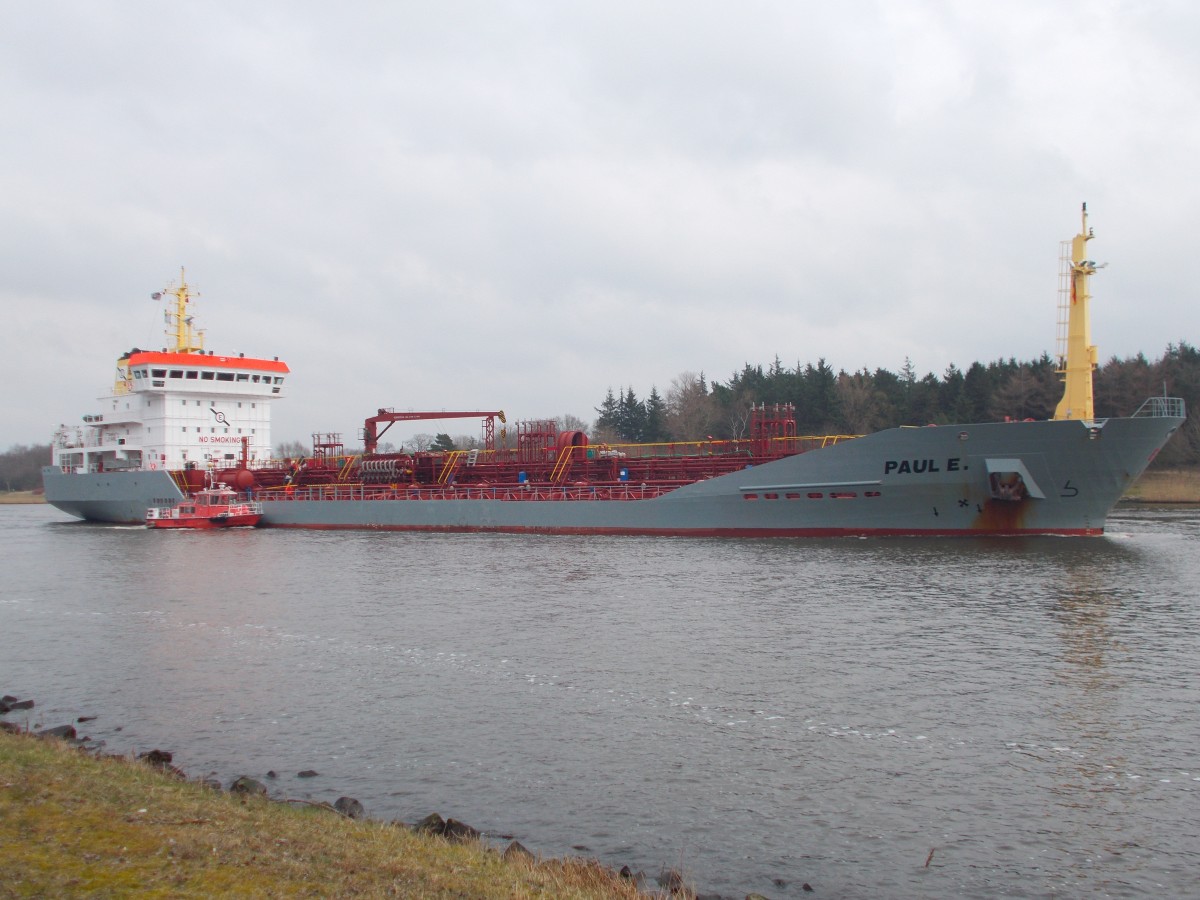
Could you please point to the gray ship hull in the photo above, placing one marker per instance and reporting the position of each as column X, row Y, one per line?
column 903, row 481
column 117, row 497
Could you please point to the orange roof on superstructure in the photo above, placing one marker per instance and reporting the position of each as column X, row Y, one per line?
column 206, row 361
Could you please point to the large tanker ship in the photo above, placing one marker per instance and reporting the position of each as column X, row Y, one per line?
column 182, row 418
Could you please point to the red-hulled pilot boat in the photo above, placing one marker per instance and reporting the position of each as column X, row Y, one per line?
column 215, row 507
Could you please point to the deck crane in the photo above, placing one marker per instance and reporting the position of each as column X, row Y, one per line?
column 371, row 432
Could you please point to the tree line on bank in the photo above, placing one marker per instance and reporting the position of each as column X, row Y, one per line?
column 21, row 467
column 829, row 402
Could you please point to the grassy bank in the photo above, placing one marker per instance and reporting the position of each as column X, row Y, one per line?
column 1166, row 486
column 22, row 497
column 74, row 824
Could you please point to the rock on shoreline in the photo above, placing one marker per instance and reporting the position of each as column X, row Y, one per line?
column 452, row 830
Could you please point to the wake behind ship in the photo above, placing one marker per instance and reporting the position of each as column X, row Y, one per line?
column 180, row 419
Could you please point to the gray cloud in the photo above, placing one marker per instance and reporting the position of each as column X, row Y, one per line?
column 477, row 205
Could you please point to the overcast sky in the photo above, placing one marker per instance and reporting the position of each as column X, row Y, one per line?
column 481, row 205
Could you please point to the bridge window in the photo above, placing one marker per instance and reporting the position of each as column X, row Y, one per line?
column 207, row 376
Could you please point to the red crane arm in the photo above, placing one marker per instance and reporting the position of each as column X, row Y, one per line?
column 372, row 432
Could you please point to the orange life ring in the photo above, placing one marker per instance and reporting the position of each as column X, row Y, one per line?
column 153, row 466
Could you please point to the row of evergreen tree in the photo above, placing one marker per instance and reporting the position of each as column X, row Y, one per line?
column 829, row 402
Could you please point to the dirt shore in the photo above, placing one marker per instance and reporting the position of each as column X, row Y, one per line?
column 22, row 497
column 1166, row 486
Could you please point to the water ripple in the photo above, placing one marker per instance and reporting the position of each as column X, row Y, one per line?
column 765, row 713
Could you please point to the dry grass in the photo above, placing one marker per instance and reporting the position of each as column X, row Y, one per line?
column 22, row 497
column 1166, row 486
column 72, row 824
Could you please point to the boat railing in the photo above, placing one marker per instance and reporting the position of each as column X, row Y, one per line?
column 723, row 447
column 829, row 440
column 1161, row 408
column 95, row 468
column 86, row 441
column 507, row 492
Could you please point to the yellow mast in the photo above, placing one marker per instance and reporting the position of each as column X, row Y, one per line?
column 187, row 339
column 179, row 328
column 1077, row 356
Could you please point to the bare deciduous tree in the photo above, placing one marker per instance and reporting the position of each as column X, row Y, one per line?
column 690, row 410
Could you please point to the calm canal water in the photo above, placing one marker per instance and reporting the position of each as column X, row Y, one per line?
column 758, row 713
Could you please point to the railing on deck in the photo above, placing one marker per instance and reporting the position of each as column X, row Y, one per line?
column 732, row 447
column 90, row 441
column 516, row 492
column 1161, row 408
column 781, row 446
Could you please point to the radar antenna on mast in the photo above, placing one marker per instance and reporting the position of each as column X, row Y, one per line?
column 179, row 322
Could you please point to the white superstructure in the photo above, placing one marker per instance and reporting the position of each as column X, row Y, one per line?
column 178, row 408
